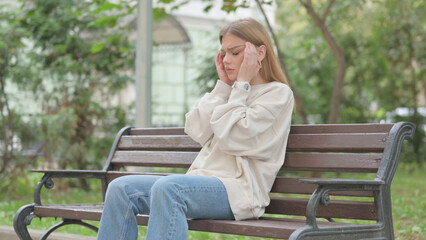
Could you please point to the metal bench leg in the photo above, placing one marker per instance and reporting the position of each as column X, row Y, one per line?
column 22, row 219
column 67, row 222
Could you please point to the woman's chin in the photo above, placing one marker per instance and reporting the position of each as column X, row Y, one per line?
column 232, row 77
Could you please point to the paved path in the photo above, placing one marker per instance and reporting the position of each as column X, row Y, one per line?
column 7, row 233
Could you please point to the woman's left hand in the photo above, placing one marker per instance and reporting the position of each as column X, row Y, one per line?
column 221, row 70
column 249, row 67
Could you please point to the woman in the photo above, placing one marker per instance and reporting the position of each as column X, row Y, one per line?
column 242, row 125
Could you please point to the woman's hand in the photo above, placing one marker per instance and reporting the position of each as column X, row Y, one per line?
column 249, row 67
column 221, row 70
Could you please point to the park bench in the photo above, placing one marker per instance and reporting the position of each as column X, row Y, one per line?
column 301, row 207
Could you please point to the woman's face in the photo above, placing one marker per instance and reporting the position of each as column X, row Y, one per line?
column 232, row 54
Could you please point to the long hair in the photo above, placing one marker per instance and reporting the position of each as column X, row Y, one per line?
column 252, row 31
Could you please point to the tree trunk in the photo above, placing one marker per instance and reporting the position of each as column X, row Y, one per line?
column 298, row 99
column 416, row 118
column 338, row 54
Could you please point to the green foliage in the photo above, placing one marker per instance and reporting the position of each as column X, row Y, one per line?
column 383, row 44
column 14, row 134
column 207, row 78
column 78, row 76
column 374, row 46
column 68, row 57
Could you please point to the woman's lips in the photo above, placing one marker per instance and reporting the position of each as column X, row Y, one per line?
column 229, row 70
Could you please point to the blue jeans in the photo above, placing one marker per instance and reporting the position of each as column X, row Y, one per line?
column 169, row 200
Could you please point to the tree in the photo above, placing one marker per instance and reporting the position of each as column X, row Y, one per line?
column 14, row 134
column 384, row 52
column 82, row 51
column 298, row 102
column 399, row 36
column 320, row 22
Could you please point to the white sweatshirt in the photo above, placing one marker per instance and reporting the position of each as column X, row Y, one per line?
column 243, row 134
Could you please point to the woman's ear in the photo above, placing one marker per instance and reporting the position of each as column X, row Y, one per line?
column 261, row 52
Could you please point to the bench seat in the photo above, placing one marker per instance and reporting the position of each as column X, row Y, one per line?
column 264, row 227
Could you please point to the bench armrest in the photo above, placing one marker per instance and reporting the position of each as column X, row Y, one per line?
column 345, row 184
column 320, row 195
column 47, row 181
column 72, row 173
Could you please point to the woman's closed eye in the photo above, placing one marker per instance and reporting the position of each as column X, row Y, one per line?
column 234, row 53
column 223, row 54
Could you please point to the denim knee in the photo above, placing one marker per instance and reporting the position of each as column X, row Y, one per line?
column 120, row 188
column 116, row 186
column 165, row 186
column 166, row 189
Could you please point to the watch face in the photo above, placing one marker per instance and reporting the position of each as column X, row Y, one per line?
column 246, row 86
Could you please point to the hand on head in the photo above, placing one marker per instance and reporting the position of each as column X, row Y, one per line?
column 242, row 64
column 250, row 65
column 220, row 67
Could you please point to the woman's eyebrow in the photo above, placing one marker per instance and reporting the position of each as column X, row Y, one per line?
column 232, row 48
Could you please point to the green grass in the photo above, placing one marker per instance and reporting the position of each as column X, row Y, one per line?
column 408, row 203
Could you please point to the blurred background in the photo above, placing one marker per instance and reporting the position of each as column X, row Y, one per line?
column 67, row 71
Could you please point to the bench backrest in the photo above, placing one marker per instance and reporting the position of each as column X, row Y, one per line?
column 312, row 151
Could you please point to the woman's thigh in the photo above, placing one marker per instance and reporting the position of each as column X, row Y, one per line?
column 204, row 197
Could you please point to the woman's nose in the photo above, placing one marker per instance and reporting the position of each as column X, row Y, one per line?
column 226, row 59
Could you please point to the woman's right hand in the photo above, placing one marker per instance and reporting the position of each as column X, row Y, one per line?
column 221, row 70
column 249, row 67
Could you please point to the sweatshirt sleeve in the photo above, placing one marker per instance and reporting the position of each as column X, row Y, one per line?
column 197, row 124
column 238, row 125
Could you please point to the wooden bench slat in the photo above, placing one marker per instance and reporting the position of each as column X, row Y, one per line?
column 166, row 142
column 256, row 228
column 327, row 162
column 293, row 186
column 335, row 209
column 91, row 212
column 158, row 131
column 332, row 162
column 154, row 158
column 340, row 128
column 352, row 142
column 337, row 142
column 295, row 129
column 264, row 227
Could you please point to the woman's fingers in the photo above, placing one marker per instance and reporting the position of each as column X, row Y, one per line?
column 249, row 67
column 220, row 68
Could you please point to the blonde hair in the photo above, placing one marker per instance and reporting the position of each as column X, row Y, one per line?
column 252, row 31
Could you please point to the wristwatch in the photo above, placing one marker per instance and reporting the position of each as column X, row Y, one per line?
column 243, row 85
